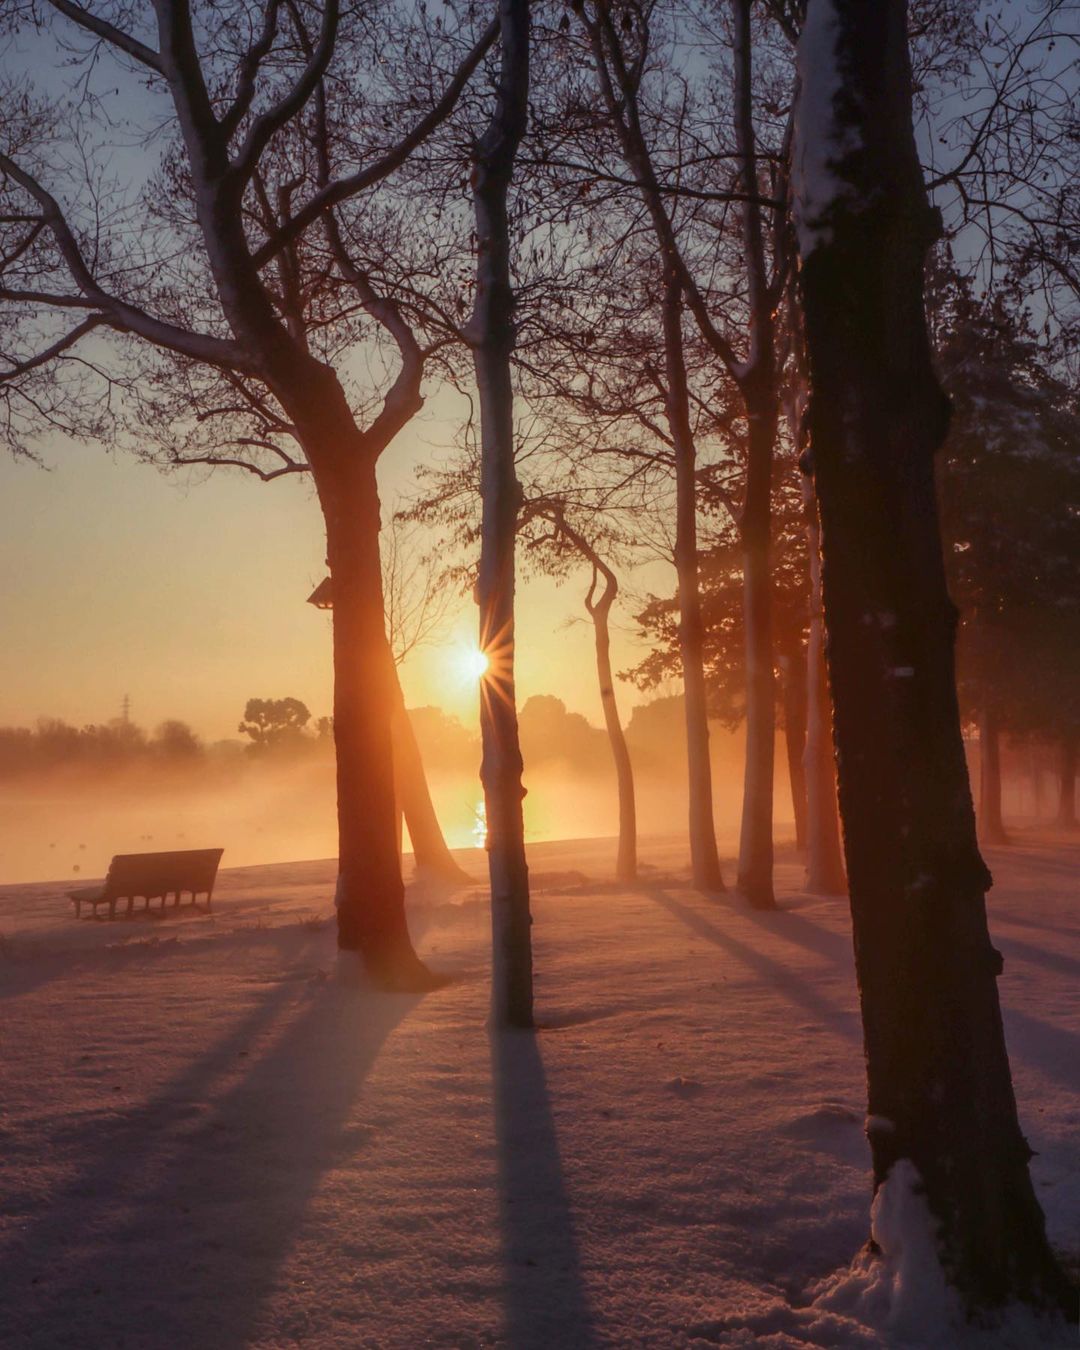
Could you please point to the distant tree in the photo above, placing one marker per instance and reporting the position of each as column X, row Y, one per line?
column 943, row 1123
column 175, row 740
column 1010, row 481
column 273, row 723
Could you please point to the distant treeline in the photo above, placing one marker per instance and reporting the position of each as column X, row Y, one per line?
column 277, row 729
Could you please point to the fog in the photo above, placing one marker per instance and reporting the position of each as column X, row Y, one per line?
column 65, row 821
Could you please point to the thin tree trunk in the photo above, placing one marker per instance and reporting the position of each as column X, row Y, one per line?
column 824, row 854
column 626, row 859
column 370, row 894
column 991, row 823
column 704, row 859
column 430, row 851
column 943, row 1120
column 755, row 874
column 492, row 339
column 1066, row 814
column 793, row 684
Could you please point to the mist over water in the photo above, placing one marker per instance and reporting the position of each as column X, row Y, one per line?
column 66, row 825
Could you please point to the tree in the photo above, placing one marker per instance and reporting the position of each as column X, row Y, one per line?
column 491, row 336
column 273, row 723
column 562, row 536
column 943, row 1120
column 226, row 290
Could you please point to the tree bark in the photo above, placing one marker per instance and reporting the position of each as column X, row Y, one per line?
column 600, row 610
column 991, row 822
column 430, row 852
column 755, row 873
column 1066, row 814
column 793, row 685
column 704, row 859
column 492, row 335
column 824, row 853
column 370, row 894
column 940, row 1091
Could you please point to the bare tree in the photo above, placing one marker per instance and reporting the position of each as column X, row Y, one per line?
column 220, row 285
column 491, row 335
column 943, row 1120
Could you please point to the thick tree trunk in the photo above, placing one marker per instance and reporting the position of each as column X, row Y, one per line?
column 704, row 859
column 991, row 822
column 1066, row 814
column 793, row 685
column 626, row 859
column 824, row 854
column 430, row 852
column 370, row 893
column 940, row 1092
column 492, row 338
column 755, row 873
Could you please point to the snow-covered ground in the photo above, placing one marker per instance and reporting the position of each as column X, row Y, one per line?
column 206, row 1141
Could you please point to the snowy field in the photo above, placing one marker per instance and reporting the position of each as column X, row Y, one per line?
column 205, row 1141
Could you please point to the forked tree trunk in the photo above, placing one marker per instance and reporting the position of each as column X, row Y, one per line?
column 600, row 610
column 940, row 1090
column 430, row 851
column 824, row 854
column 1066, row 814
column 370, row 894
column 793, row 685
column 991, row 822
column 704, row 859
column 491, row 334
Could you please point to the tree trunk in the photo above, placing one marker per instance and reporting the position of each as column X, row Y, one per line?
column 940, row 1092
column 1066, row 815
column 492, row 339
column 704, row 859
column 991, row 823
column 824, row 854
column 370, row 894
column 755, row 874
column 626, row 859
column 430, row 852
column 793, row 686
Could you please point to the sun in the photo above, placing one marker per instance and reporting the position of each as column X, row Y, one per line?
column 475, row 663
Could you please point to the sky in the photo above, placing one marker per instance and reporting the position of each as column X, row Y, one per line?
column 188, row 595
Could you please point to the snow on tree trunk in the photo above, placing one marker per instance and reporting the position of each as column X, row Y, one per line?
column 940, row 1091
column 1066, row 815
column 491, row 334
column 991, row 821
column 704, row 859
column 824, row 853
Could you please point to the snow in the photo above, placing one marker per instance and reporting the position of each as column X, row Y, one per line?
column 822, row 140
column 207, row 1140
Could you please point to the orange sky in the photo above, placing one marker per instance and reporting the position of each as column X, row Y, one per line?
column 189, row 596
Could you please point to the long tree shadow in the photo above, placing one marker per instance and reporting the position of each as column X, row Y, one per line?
column 175, row 1237
column 1054, row 1051
column 545, row 1300
column 1026, row 951
column 780, row 977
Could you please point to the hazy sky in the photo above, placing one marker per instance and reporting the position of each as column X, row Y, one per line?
column 189, row 596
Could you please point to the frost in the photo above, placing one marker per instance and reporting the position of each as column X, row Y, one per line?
column 821, row 141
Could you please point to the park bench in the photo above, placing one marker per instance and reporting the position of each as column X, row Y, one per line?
column 153, row 876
